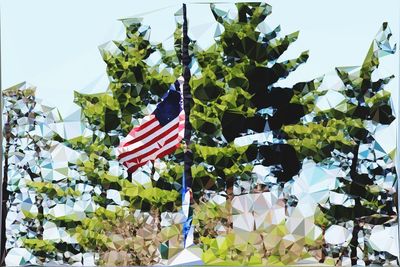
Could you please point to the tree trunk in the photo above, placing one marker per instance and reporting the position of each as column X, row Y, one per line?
column 323, row 249
column 5, row 194
column 39, row 197
column 354, row 243
column 230, row 181
column 356, row 228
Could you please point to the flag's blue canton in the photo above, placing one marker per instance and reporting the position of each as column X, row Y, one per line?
column 169, row 108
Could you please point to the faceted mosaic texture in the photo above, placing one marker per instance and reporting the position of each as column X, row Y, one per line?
column 281, row 176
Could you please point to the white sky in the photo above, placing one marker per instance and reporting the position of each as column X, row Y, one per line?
column 53, row 44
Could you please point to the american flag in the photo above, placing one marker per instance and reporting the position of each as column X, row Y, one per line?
column 159, row 133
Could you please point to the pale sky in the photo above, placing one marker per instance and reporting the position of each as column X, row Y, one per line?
column 53, row 44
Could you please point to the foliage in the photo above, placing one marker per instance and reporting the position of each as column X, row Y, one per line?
column 135, row 219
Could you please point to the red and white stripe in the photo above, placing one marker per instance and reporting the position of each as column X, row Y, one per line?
column 150, row 141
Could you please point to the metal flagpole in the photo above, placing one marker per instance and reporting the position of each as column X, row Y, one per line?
column 188, row 155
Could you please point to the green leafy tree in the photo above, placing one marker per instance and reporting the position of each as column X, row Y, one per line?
column 232, row 95
column 236, row 82
column 136, row 86
column 36, row 180
column 345, row 132
column 22, row 142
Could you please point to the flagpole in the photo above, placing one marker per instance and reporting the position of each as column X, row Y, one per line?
column 187, row 99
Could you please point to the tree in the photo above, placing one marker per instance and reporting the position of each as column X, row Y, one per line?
column 232, row 96
column 342, row 128
column 30, row 188
column 136, row 86
column 237, row 84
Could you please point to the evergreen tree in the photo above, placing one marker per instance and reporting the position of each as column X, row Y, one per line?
column 236, row 105
column 136, row 86
column 345, row 132
column 36, row 176
column 234, row 90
